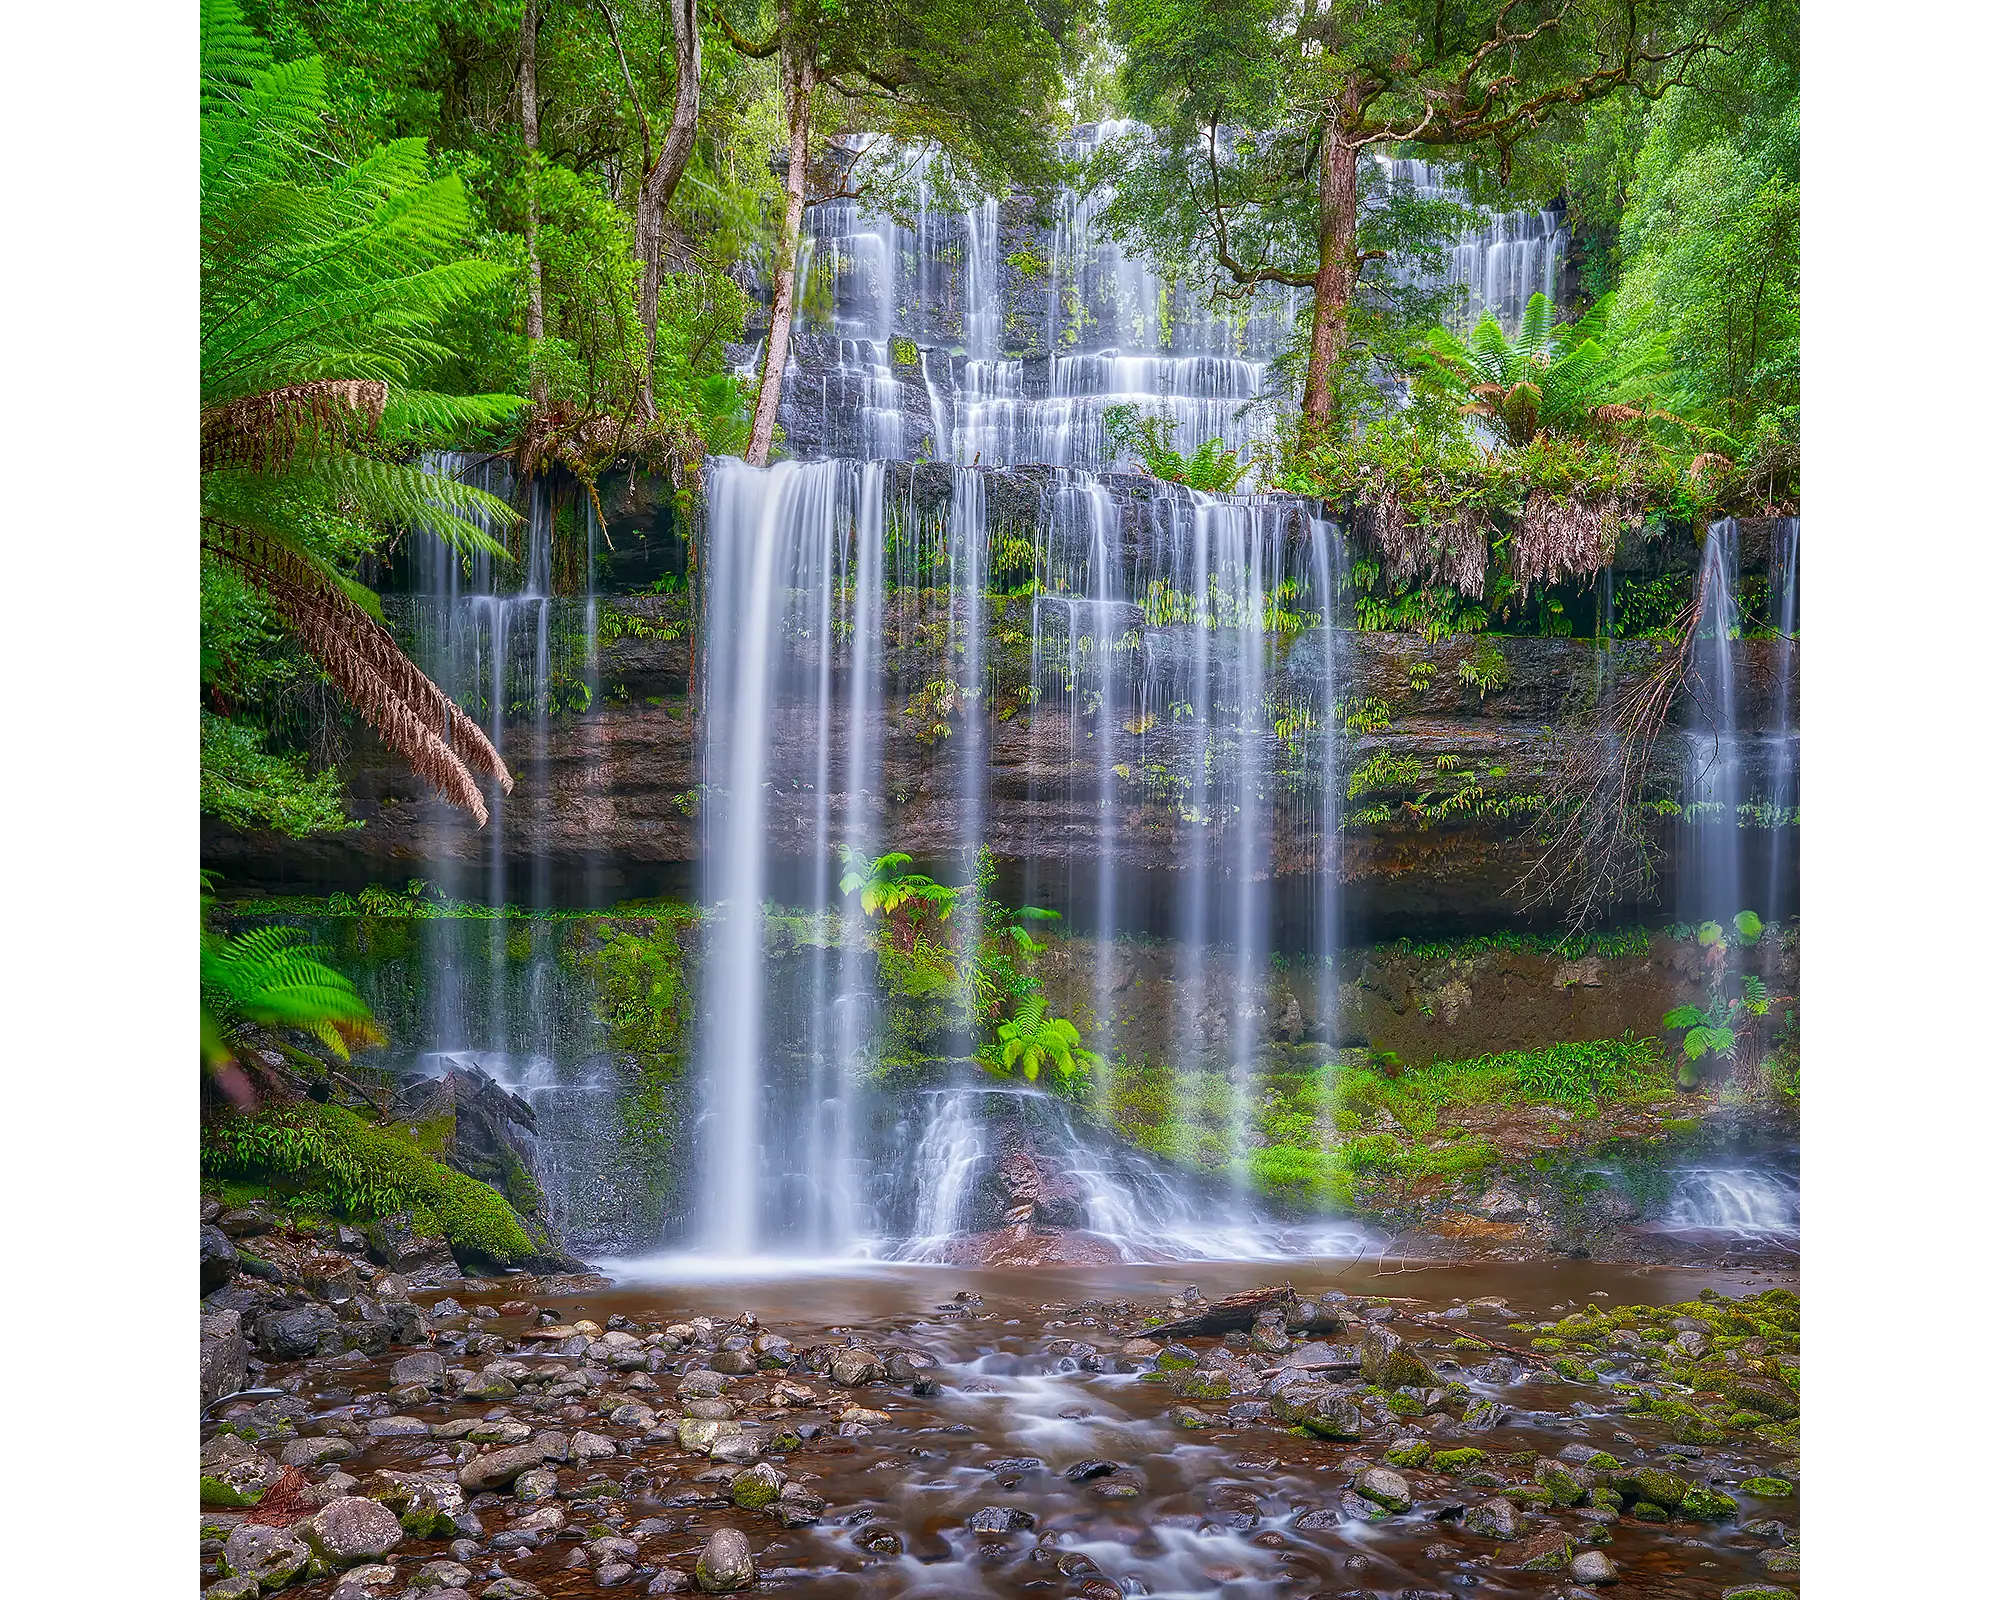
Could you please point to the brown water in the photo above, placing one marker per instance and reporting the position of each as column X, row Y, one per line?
column 1213, row 1512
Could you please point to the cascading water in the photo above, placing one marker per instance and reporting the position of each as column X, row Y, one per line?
column 1138, row 1209
column 1745, row 1201
column 1711, row 855
column 1784, row 614
column 796, row 569
column 984, row 338
column 1500, row 262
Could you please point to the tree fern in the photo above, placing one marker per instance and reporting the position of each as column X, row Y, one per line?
column 1549, row 376
column 322, row 289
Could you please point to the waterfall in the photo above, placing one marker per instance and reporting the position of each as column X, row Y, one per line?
column 1749, row 1202
column 1711, row 856
column 1784, row 616
column 1500, row 262
column 1138, row 1208
column 778, row 594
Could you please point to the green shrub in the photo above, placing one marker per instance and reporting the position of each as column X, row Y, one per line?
column 365, row 1171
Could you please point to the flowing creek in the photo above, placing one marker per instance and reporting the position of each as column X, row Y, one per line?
column 1029, row 1446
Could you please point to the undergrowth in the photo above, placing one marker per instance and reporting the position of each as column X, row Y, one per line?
column 339, row 1165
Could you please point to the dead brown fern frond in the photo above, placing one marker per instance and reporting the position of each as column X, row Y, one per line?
column 263, row 432
column 412, row 715
column 1452, row 551
column 1559, row 536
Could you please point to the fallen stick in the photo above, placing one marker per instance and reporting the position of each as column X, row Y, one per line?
column 1478, row 1338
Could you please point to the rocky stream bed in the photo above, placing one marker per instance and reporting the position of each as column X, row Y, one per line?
column 383, row 1428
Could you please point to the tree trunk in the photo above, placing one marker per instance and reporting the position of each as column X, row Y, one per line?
column 656, row 195
column 1333, row 285
column 531, row 137
column 797, row 73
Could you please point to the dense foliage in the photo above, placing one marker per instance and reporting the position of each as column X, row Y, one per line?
column 333, row 1162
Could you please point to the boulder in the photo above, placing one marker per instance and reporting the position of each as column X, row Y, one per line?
column 725, row 1563
column 498, row 1468
column 272, row 1557
column 425, row 1367
column 246, row 1223
column 756, row 1487
column 1389, row 1363
column 393, row 1242
column 1655, row 1487
column 1493, row 1519
column 853, row 1368
column 999, row 1519
column 225, row 1356
column 314, row 1452
column 238, row 1481
column 353, row 1529
column 1594, row 1567
column 1389, row 1490
column 219, row 1260
column 295, row 1333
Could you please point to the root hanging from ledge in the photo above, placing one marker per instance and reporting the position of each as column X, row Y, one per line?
column 1598, row 849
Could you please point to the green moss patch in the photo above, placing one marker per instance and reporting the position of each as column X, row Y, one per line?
column 362, row 1171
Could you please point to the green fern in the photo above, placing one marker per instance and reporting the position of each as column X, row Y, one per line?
column 1549, row 377
column 323, row 286
column 274, row 977
column 1032, row 1040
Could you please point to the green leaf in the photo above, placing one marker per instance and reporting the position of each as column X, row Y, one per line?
column 1684, row 1017
column 1749, row 926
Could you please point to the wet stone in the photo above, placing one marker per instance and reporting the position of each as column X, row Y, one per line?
column 725, row 1563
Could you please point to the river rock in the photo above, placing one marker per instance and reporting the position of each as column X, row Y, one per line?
column 498, row 1468
column 353, row 1529
column 224, row 1356
column 314, row 1452
column 1493, row 1519
column 725, row 1563
column 999, row 1519
column 238, row 1480
column 756, row 1487
column 424, row 1367
column 295, row 1334
column 1390, row 1490
column 1593, row 1566
column 273, row 1557
column 853, row 1368
column 219, row 1260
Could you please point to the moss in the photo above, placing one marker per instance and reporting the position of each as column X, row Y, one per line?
column 363, row 1171
column 1767, row 1488
column 1410, row 1455
column 1711, row 1505
column 1456, row 1461
column 214, row 1492
column 1202, row 1386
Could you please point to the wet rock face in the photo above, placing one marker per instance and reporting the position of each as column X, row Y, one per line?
column 620, row 791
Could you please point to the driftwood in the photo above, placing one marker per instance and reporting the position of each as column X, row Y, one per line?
column 1535, row 1356
column 1229, row 1314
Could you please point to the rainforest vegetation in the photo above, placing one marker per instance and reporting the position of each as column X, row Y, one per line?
column 569, row 232
column 541, row 228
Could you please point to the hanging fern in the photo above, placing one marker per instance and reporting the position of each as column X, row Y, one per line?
column 322, row 285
